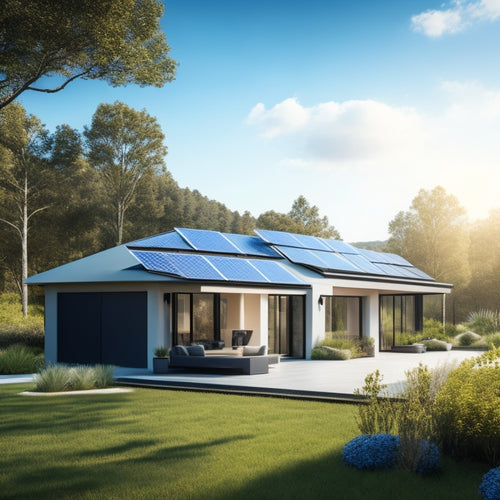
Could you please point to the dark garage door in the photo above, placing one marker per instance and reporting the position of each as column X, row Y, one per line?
column 108, row 328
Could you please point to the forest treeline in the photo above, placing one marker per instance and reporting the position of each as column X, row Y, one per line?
column 68, row 194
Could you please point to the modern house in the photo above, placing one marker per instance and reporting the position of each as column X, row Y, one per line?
column 192, row 285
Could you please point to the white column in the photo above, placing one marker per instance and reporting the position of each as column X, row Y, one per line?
column 242, row 311
column 156, row 323
column 264, row 320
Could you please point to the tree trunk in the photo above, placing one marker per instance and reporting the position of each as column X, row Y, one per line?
column 24, row 244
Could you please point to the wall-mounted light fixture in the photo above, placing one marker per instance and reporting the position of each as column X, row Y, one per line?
column 320, row 300
column 166, row 298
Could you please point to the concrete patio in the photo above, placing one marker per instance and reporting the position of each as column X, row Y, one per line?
column 322, row 380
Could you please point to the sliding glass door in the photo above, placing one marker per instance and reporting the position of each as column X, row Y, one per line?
column 196, row 317
column 286, row 325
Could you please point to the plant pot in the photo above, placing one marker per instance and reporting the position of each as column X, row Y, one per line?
column 160, row 365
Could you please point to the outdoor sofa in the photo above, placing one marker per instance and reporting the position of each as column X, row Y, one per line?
column 193, row 358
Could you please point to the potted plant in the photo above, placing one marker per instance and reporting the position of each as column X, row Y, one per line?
column 160, row 361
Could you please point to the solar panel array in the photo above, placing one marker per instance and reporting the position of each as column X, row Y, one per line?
column 329, row 256
column 216, row 256
column 216, row 268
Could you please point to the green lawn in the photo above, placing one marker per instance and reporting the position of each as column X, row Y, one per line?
column 182, row 445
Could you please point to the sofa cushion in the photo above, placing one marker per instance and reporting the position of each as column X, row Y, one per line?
column 196, row 350
column 253, row 350
column 179, row 350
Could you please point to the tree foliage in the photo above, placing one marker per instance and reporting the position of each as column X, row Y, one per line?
column 433, row 236
column 302, row 219
column 118, row 41
column 124, row 145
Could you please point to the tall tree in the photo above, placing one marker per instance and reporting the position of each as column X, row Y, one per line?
column 123, row 145
column 484, row 288
column 25, row 180
column 302, row 219
column 118, row 41
column 434, row 236
column 309, row 221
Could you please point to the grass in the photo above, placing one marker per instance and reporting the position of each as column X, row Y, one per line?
column 185, row 445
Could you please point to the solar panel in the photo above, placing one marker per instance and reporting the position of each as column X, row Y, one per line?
column 191, row 266
column 208, row 241
column 363, row 264
column 418, row 273
column 373, row 256
column 341, row 247
column 318, row 259
column 276, row 273
column 311, row 242
column 235, row 269
column 251, row 245
column 166, row 240
column 396, row 259
column 279, row 238
column 335, row 261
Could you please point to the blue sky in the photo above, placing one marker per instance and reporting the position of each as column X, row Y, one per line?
column 354, row 104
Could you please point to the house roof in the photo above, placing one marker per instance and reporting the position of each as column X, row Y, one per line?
column 269, row 258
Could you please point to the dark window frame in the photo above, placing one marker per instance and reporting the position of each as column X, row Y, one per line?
column 175, row 310
column 360, row 308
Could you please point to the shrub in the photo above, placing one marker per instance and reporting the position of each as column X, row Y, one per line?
column 378, row 451
column 451, row 330
column 466, row 339
column 467, row 409
column 53, row 378
column 161, row 352
column 484, row 321
column 414, row 421
column 379, row 415
column 19, row 359
column 436, row 345
column 81, row 378
column 342, row 343
column 433, row 329
column 104, row 375
column 59, row 377
column 493, row 340
column 325, row 352
column 489, row 488
column 30, row 334
column 429, row 457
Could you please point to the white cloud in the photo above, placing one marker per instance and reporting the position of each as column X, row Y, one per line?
column 334, row 133
column 402, row 149
column 286, row 116
column 435, row 23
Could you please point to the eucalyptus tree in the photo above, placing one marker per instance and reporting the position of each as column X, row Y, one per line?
column 26, row 182
column 124, row 146
column 118, row 41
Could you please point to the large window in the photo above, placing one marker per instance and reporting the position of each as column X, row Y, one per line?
column 196, row 317
column 402, row 317
column 343, row 316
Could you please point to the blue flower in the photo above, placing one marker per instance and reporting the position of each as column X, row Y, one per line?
column 371, row 451
column 429, row 461
column 490, row 485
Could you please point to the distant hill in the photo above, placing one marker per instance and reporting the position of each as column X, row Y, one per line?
column 377, row 246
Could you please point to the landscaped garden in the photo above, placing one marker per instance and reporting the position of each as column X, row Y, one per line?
column 178, row 445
